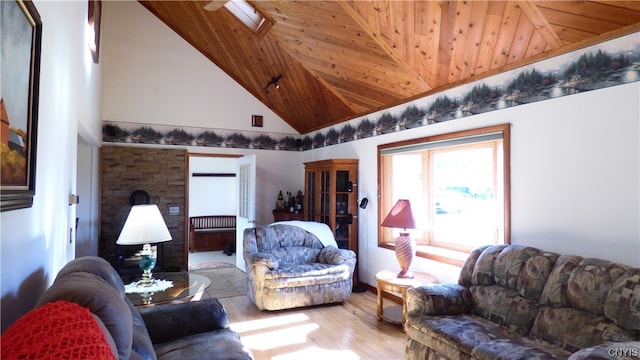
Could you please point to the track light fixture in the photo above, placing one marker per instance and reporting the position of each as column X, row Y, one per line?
column 274, row 82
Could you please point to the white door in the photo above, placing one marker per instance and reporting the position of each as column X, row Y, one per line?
column 246, row 209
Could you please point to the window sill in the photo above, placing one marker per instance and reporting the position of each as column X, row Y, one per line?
column 446, row 256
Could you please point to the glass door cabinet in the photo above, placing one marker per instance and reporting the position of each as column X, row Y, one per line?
column 331, row 196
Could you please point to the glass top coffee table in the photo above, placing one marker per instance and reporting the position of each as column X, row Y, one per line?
column 185, row 287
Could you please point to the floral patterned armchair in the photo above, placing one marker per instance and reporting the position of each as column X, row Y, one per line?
column 288, row 266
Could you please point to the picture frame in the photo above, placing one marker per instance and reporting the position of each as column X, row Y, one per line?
column 94, row 18
column 21, row 40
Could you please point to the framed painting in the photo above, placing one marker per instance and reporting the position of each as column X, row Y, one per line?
column 21, row 37
column 93, row 22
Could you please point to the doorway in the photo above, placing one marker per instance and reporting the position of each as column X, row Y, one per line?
column 87, row 220
column 211, row 192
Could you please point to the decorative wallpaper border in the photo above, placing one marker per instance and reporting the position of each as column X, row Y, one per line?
column 133, row 133
column 599, row 66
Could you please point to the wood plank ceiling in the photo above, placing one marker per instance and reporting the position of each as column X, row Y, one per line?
column 343, row 59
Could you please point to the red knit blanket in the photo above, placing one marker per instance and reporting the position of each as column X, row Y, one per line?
column 58, row 330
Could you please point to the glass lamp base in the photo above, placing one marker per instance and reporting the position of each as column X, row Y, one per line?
column 147, row 279
column 146, row 298
column 147, row 263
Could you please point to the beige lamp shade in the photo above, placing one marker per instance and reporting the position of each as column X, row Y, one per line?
column 144, row 225
column 400, row 216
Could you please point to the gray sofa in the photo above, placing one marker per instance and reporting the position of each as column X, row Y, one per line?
column 194, row 330
column 516, row 302
column 289, row 267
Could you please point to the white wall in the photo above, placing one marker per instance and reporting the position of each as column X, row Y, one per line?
column 155, row 77
column 575, row 177
column 35, row 242
column 212, row 195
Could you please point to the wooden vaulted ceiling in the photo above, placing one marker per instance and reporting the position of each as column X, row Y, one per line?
column 344, row 59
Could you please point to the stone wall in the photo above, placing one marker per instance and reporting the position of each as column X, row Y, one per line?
column 159, row 172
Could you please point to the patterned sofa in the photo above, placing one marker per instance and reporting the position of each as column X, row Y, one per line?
column 288, row 266
column 516, row 302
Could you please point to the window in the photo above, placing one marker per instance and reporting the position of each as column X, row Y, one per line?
column 250, row 16
column 458, row 186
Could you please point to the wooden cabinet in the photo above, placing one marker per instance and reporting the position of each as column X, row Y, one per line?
column 331, row 197
column 281, row 215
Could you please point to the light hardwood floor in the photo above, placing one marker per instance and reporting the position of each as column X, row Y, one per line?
column 348, row 331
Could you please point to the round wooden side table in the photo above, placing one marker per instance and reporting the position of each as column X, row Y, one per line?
column 388, row 282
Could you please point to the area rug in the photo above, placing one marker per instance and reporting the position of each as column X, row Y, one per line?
column 225, row 282
column 211, row 265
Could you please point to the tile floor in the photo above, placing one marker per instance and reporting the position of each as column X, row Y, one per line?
column 224, row 282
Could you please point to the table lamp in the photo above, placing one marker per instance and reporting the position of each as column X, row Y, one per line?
column 401, row 217
column 144, row 226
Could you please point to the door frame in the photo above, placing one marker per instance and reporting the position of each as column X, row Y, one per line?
column 245, row 188
column 185, row 250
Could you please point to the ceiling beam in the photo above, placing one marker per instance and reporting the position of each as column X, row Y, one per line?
column 215, row 5
column 541, row 24
column 384, row 46
column 292, row 53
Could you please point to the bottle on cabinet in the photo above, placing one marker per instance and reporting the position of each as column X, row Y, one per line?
column 298, row 208
column 291, row 205
column 288, row 203
column 280, row 202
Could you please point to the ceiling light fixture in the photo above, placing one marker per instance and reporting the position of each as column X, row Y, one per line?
column 274, row 82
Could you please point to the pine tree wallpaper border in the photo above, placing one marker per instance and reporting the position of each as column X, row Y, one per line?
column 611, row 63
